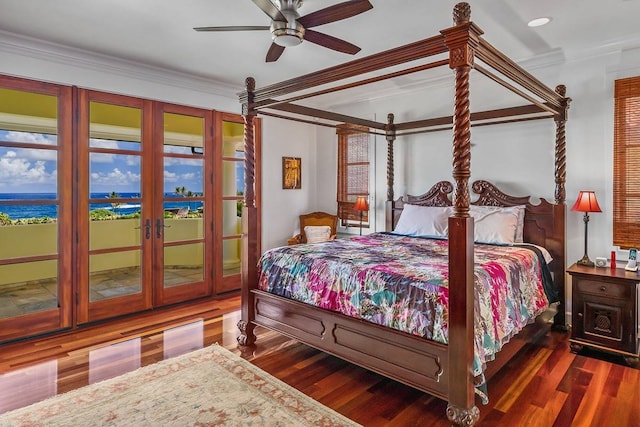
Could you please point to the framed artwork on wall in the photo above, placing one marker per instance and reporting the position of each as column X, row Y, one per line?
column 291, row 173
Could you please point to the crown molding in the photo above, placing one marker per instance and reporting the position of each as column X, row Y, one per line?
column 606, row 48
column 56, row 53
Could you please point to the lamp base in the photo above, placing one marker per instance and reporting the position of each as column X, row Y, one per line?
column 585, row 261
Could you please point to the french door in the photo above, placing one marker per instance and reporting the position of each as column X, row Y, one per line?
column 35, row 207
column 183, row 173
column 144, row 217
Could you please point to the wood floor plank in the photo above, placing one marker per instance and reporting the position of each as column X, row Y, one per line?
column 593, row 393
column 627, row 404
column 527, row 373
column 576, row 389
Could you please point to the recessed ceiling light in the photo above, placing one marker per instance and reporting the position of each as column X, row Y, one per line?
column 539, row 22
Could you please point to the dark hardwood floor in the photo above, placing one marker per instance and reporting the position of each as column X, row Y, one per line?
column 542, row 385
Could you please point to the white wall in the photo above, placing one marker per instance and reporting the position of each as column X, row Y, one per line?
column 283, row 138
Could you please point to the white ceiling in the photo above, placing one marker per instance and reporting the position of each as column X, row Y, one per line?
column 159, row 33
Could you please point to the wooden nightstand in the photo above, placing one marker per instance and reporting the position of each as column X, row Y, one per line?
column 605, row 310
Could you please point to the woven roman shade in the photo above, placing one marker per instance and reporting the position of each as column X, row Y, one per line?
column 353, row 171
column 626, row 163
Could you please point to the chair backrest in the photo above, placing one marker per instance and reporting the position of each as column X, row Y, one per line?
column 318, row 218
column 183, row 213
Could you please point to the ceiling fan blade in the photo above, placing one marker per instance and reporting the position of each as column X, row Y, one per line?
column 334, row 13
column 235, row 28
column 275, row 51
column 330, row 42
column 270, row 9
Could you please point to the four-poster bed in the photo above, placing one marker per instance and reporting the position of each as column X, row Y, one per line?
column 444, row 370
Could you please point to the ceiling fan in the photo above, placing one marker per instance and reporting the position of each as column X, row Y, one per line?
column 288, row 28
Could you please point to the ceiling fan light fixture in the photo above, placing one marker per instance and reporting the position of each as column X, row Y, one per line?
column 287, row 40
column 287, row 35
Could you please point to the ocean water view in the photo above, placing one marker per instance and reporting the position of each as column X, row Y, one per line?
column 36, row 210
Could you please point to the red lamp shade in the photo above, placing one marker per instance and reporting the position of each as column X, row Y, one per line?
column 361, row 204
column 586, row 202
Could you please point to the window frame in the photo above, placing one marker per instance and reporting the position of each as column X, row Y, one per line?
column 626, row 163
column 348, row 135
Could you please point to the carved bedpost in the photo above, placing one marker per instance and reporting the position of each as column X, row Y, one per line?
column 561, row 148
column 390, row 134
column 249, row 222
column 461, row 410
column 558, row 266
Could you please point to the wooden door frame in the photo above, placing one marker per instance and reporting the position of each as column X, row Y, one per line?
column 224, row 284
column 180, row 293
column 61, row 316
column 98, row 310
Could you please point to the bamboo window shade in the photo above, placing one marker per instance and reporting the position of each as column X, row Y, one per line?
column 353, row 171
column 626, row 163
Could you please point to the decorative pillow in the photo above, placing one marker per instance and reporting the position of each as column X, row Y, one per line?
column 494, row 225
column 520, row 210
column 317, row 233
column 428, row 221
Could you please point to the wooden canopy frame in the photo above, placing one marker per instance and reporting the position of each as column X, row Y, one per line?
column 466, row 51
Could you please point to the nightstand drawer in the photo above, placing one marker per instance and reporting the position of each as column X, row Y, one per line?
column 603, row 289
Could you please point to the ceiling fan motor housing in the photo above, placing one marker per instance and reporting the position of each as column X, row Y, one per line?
column 289, row 33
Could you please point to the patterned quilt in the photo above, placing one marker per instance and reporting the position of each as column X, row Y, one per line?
column 402, row 282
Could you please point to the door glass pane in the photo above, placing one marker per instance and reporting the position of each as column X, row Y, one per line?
column 231, row 246
column 183, row 228
column 183, row 199
column 183, row 264
column 28, row 202
column 115, row 201
column 114, row 274
column 233, row 193
column 28, row 287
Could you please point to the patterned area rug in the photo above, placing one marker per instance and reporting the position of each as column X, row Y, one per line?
column 207, row 387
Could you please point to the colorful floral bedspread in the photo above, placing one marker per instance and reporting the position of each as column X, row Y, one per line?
column 402, row 282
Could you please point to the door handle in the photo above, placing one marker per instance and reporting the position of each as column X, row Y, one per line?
column 147, row 229
column 159, row 226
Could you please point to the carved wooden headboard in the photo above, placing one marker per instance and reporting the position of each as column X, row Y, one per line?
column 544, row 223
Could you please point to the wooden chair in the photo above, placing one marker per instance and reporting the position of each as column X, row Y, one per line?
column 314, row 218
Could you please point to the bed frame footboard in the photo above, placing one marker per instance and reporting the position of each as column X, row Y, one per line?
column 405, row 358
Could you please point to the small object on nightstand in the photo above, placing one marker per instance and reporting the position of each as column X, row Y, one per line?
column 613, row 259
column 631, row 264
column 601, row 261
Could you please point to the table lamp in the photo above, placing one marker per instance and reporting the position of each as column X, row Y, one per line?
column 586, row 203
column 361, row 205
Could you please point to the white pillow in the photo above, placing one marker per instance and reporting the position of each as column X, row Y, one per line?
column 494, row 225
column 518, row 209
column 317, row 233
column 428, row 221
